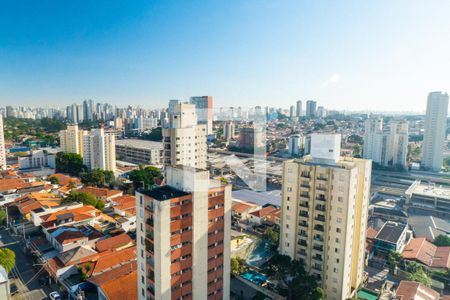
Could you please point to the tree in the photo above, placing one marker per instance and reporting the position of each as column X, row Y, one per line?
column 85, row 198
column 2, row 216
column 271, row 235
column 97, row 177
column 7, row 259
column 442, row 240
column 69, row 163
column 418, row 274
column 54, row 180
column 144, row 176
column 394, row 260
column 238, row 266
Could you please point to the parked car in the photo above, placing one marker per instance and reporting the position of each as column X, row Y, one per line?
column 13, row 289
column 54, row 296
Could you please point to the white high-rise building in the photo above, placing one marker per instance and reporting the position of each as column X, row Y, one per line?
column 435, row 131
column 99, row 150
column 299, row 109
column 229, row 131
column 386, row 146
column 71, row 139
column 2, row 146
column 185, row 140
column 324, row 215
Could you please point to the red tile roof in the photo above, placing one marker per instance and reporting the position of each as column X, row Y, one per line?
column 421, row 250
column 123, row 287
column 241, row 207
column 371, row 233
column 65, row 180
column 101, row 192
column 410, row 290
column 114, row 242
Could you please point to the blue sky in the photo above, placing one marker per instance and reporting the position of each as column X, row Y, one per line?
column 378, row 55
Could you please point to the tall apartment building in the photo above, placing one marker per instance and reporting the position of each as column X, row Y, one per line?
column 229, row 130
column 251, row 137
column 183, row 231
column 2, row 146
column 386, row 146
column 99, row 150
column 183, row 237
column 71, row 139
column 311, row 108
column 204, row 110
column 325, row 201
column 299, row 109
column 435, row 131
column 291, row 112
column 185, row 140
column 296, row 143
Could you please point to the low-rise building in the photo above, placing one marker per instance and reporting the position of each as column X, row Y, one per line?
column 139, row 151
column 392, row 237
column 269, row 214
column 68, row 237
column 422, row 251
column 37, row 159
column 431, row 198
column 408, row 290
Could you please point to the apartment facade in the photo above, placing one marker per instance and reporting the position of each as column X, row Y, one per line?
column 386, row 146
column 185, row 140
column 71, row 139
column 324, row 218
column 139, row 151
column 183, row 237
column 99, row 151
column 2, row 146
column 435, row 131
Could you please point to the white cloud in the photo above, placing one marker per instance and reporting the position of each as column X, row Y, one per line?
column 333, row 79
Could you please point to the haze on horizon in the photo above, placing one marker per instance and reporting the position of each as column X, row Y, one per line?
column 357, row 55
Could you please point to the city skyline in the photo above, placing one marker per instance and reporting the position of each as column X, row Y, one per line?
column 379, row 57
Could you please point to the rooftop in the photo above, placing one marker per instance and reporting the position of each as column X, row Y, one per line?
column 141, row 144
column 391, row 232
column 429, row 190
column 409, row 290
column 164, row 192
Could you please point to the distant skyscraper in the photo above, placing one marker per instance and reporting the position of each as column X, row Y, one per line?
column 186, row 136
column 204, row 110
column 311, row 108
column 229, row 130
column 292, row 112
column 99, row 150
column 435, row 131
column 2, row 146
column 71, row 140
column 172, row 104
column 325, row 201
column 299, row 108
column 10, row 112
column 321, row 112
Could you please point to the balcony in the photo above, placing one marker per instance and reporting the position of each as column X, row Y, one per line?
column 149, row 207
column 321, row 188
column 303, row 214
column 305, row 175
column 150, row 235
column 317, row 257
column 304, row 196
column 318, row 247
column 149, row 246
column 149, row 221
column 319, row 228
column 302, row 243
column 302, row 252
column 303, row 224
column 321, row 198
column 317, row 267
column 303, row 234
column 318, row 238
column 322, row 178
column 304, row 204
column 320, row 207
column 320, row 218
column 305, row 185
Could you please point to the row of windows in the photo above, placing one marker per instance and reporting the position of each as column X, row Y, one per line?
column 180, row 217
column 181, row 258
column 178, row 246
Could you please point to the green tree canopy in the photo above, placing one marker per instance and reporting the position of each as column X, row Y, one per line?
column 69, row 163
column 442, row 240
column 7, row 259
column 54, row 180
column 418, row 274
column 2, row 216
column 97, row 177
column 144, row 176
column 238, row 266
column 85, row 198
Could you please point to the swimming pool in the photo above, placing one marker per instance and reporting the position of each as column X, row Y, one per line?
column 260, row 254
column 254, row 277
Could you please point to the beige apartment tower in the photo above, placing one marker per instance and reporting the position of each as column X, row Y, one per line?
column 324, row 217
column 99, row 150
column 185, row 140
column 71, row 139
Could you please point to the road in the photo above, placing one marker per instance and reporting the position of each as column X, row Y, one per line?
column 26, row 281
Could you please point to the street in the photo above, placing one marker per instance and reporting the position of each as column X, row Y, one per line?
column 24, row 273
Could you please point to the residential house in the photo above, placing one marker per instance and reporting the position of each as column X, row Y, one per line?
column 423, row 252
column 411, row 290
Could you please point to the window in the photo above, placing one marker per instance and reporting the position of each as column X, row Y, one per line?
column 338, row 230
column 340, row 199
column 339, row 220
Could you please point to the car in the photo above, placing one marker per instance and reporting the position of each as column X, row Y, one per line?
column 13, row 289
column 54, row 296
